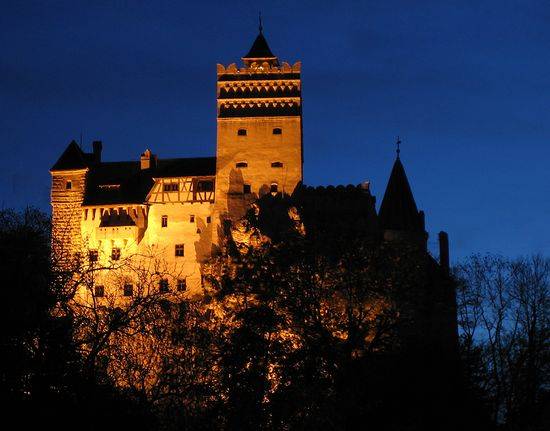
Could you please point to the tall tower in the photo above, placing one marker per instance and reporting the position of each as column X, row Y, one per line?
column 259, row 133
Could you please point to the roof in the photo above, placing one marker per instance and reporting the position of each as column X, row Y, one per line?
column 260, row 48
column 398, row 210
column 126, row 182
column 72, row 158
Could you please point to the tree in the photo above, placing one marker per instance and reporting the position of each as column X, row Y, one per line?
column 504, row 316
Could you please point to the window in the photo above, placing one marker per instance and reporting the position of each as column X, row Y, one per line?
column 92, row 255
column 246, row 189
column 241, row 132
column 180, row 250
column 164, row 221
column 99, row 291
column 208, row 219
column 69, row 185
column 163, row 285
column 277, row 165
column 242, row 165
column 128, row 289
column 171, row 187
column 277, row 131
column 115, row 253
column 274, row 188
column 182, row 285
column 191, row 219
column 205, row 186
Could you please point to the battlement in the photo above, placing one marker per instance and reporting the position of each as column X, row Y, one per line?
column 259, row 71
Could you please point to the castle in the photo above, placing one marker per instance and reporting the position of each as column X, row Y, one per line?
column 103, row 212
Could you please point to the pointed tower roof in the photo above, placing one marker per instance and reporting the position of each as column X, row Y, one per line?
column 260, row 50
column 398, row 210
column 72, row 158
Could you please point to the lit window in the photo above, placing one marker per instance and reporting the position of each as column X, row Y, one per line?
column 208, row 219
column 128, row 290
column 115, row 254
column 99, row 291
column 180, row 251
column 163, row 285
column 274, row 188
column 172, row 187
column 69, row 185
column 191, row 219
column 164, row 221
column 277, row 165
column 242, row 165
column 182, row 285
column 246, row 189
column 277, row 131
column 241, row 132
column 92, row 255
column 205, row 186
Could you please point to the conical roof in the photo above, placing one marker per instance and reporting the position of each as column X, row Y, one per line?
column 72, row 158
column 398, row 210
column 260, row 48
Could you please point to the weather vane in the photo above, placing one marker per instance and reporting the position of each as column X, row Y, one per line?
column 398, row 144
column 260, row 19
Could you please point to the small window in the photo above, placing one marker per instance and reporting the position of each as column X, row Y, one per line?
column 277, row 165
column 164, row 221
column 246, row 189
column 115, row 254
column 277, row 131
column 182, row 285
column 69, row 185
column 208, row 219
column 180, row 251
column 241, row 132
column 242, row 165
column 99, row 291
column 205, row 186
column 163, row 285
column 92, row 255
column 274, row 188
column 172, row 187
column 128, row 289
column 191, row 219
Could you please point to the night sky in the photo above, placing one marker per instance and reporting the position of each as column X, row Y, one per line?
column 466, row 84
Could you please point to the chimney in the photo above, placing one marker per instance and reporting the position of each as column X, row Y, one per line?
column 148, row 160
column 444, row 251
column 97, row 146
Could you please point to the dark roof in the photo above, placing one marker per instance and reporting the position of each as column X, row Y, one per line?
column 72, row 158
column 398, row 210
column 133, row 184
column 260, row 48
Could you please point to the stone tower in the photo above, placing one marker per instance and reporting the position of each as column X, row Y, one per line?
column 259, row 130
column 67, row 194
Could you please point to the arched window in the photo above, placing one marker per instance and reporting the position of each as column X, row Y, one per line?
column 277, row 164
column 277, row 131
column 242, row 165
column 241, row 132
column 274, row 188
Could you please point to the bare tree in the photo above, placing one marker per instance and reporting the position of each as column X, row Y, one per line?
column 504, row 311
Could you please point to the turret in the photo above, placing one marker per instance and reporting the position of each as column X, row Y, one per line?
column 399, row 217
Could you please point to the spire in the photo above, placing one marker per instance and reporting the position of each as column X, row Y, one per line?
column 260, row 51
column 398, row 210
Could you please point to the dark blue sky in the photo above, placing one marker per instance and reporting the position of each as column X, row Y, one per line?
column 466, row 84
